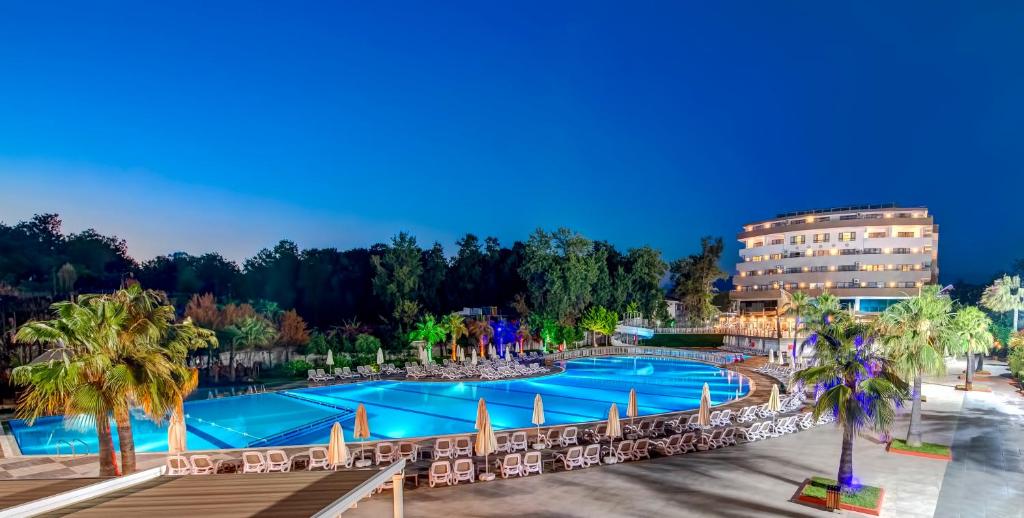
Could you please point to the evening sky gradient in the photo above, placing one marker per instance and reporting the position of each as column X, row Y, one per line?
column 226, row 126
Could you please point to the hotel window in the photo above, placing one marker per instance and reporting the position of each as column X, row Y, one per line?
column 876, row 234
column 776, row 256
column 821, row 219
column 848, row 217
column 872, row 250
column 779, row 241
column 798, row 240
column 927, row 249
column 872, row 216
column 779, row 224
column 847, row 236
column 757, row 258
column 849, row 251
column 821, row 253
column 904, row 234
column 926, row 232
column 821, row 238
column 757, row 244
column 901, row 250
column 904, row 267
column 872, row 267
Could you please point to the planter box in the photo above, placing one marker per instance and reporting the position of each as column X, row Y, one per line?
column 846, row 507
column 936, row 456
column 974, row 388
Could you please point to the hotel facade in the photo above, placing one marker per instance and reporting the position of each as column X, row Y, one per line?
column 868, row 256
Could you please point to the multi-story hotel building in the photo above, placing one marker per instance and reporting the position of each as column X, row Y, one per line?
column 869, row 256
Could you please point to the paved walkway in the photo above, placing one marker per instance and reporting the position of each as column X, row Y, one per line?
column 760, row 479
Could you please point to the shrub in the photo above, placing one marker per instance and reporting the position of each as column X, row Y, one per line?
column 298, row 367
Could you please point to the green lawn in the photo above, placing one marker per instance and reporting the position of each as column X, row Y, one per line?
column 681, row 340
column 866, row 496
column 927, row 447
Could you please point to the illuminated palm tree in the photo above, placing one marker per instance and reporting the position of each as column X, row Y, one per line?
column 481, row 331
column 853, row 382
column 455, row 325
column 916, row 335
column 72, row 380
column 971, row 328
column 799, row 305
column 1005, row 294
column 428, row 330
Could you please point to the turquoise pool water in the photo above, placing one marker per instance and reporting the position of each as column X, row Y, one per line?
column 402, row 409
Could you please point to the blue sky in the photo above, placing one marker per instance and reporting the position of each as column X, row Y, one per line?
column 228, row 125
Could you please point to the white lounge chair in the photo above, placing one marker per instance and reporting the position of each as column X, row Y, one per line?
column 463, row 446
column 202, row 465
column 277, row 460
column 592, row 455
column 253, row 462
column 441, row 473
column 512, row 465
column 570, row 436
column 531, row 463
column 463, row 471
column 573, row 458
column 442, row 448
column 408, row 451
column 383, row 452
column 517, row 442
column 641, row 449
column 177, row 465
column 317, row 458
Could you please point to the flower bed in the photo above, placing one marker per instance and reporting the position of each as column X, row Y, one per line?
column 867, row 499
column 927, row 450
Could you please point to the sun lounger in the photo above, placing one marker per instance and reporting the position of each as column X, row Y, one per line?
column 573, row 458
column 277, row 460
column 317, row 458
column 441, row 473
column 532, row 463
column 202, row 465
column 177, row 465
column 443, row 448
column 253, row 462
column 592, row 455
column 383, row 453
column 463, row 446
column 512, row 465
column 463, row 471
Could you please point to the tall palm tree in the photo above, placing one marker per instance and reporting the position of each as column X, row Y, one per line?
column 799, row 305
column 1005, row 294
column 455, row 325
column 72, row 381
column 916, row 335
column 150, row 369
column 428, row 330
column 972, row 336
column 853, row 382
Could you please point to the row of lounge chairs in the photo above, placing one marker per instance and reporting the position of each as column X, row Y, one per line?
column 343, row 373
column 486, row 369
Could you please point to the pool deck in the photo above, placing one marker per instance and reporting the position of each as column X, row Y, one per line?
column 17, row 492
column 277, row 495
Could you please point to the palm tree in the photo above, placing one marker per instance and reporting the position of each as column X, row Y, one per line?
column 455, row 325
column 916, row 335
column 72, row 382
column 481, row 331
column 248, row 334
column 971, row 328
column 853, row 382
column 1005, row 294
column 428, row 330
column 799, row 305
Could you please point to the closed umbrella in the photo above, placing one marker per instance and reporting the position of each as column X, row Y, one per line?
column 362, row 427
column 538, row 414
column 176, row 433
column 614, row 430
column 631, row 408
column 771, row 355
column 506, row 354
column 704, row 414
column 337, row 452
column 462, row 354
column 481, row 409
column 485, row 441
column 380, row 356
column 773, row 400
column 330, row 358
column 474, row 360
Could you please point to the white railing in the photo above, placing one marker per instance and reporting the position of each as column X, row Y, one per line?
column 51, row 503
column 350, row 499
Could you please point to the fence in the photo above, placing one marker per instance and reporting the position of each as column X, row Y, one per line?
column 634, row 350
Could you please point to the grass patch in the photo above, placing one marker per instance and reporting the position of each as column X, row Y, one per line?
column 927, row 447
column 682, row 340
column 866, row 496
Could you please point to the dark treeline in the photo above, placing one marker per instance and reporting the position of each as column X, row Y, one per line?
column 557, row 275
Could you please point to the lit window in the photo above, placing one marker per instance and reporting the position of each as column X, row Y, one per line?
column 797, row 240
column 847, row 236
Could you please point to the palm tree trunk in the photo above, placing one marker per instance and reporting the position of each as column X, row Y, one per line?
column 969, row 371
column 106, row 446
column 914, row 431
column 796, row 328
column 845, row 477
column 125, row 440
column 1015, row 313
column 231, row 364
column 981, row 363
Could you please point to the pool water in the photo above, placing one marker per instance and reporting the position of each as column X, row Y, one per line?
column 403, row 409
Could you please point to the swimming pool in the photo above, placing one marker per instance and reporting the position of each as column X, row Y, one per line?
column 403, row 409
